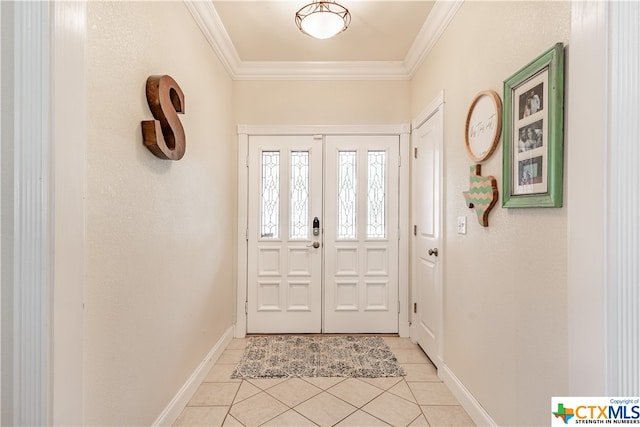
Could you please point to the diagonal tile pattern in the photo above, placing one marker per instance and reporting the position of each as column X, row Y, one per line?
column 325, row 409
column 355, row 392
column 418, row 399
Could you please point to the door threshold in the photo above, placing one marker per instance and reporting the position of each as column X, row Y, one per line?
column 321, row 334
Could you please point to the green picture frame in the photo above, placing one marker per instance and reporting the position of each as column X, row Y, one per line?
column 533, row 133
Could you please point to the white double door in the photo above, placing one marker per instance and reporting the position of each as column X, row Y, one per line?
column 323, row 234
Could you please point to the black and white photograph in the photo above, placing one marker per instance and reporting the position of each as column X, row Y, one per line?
column 530, row 137
column 531, row 101
column 530, row 171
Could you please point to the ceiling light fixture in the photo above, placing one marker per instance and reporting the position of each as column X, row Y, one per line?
column 323, row 19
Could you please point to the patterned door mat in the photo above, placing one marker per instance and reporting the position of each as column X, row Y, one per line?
column 317, row 356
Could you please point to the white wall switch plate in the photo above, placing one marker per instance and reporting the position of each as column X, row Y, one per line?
column 462, row 225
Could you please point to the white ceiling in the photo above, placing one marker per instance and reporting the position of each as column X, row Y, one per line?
column 259, row 39
column 379, row 31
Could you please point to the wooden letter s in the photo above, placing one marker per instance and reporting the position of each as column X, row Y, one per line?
column 164, row 136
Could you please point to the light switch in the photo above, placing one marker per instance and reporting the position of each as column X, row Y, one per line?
column 462, row 225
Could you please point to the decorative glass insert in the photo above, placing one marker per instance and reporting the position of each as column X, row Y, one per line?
column 270, row 199
column 299, row 202
column 376, row 218
column 347, row 200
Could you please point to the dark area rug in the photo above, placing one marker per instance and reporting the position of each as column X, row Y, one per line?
column 317, row 356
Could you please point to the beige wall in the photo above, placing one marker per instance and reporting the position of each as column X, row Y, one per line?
column 321, row 102
column 160, row 235
column 505, row 285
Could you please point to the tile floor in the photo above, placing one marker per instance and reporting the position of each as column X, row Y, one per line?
column 418, row 399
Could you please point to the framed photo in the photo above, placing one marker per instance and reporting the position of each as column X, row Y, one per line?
column 533, row 133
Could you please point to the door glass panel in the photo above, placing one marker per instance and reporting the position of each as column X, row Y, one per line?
column 376, row 218
column 299, row 215
column 347, row 201
column 270, row 199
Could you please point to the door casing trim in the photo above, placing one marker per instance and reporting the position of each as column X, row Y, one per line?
column 244, row 131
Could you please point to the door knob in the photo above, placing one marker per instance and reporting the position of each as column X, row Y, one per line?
column 433, row 251
column 314, row 245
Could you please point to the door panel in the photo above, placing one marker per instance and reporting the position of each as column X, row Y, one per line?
column 284, row 269
column 361, row 234
column 426, row 181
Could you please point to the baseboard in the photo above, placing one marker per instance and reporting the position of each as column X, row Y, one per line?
column 404, row 329
column 239, row 332
column 186, row 392
column 464, row 396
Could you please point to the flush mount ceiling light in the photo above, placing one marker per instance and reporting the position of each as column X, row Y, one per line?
column 323, row 19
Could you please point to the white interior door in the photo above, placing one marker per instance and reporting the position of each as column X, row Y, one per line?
column 427, row 251
column 361, row 234
column 288, row 291
column 284, row 291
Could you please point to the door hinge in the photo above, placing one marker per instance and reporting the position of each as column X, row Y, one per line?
column 415, row 152
column 246, row 307
column 399, row 161
column 246, row 234
column 415, row 307
column 415, row 230
column 398, row 307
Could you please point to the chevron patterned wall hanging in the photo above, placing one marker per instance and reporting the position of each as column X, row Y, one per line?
column 482, row 194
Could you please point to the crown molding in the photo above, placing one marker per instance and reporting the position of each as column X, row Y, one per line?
column 358, row 70
column 438, row 20
column 209, row 22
